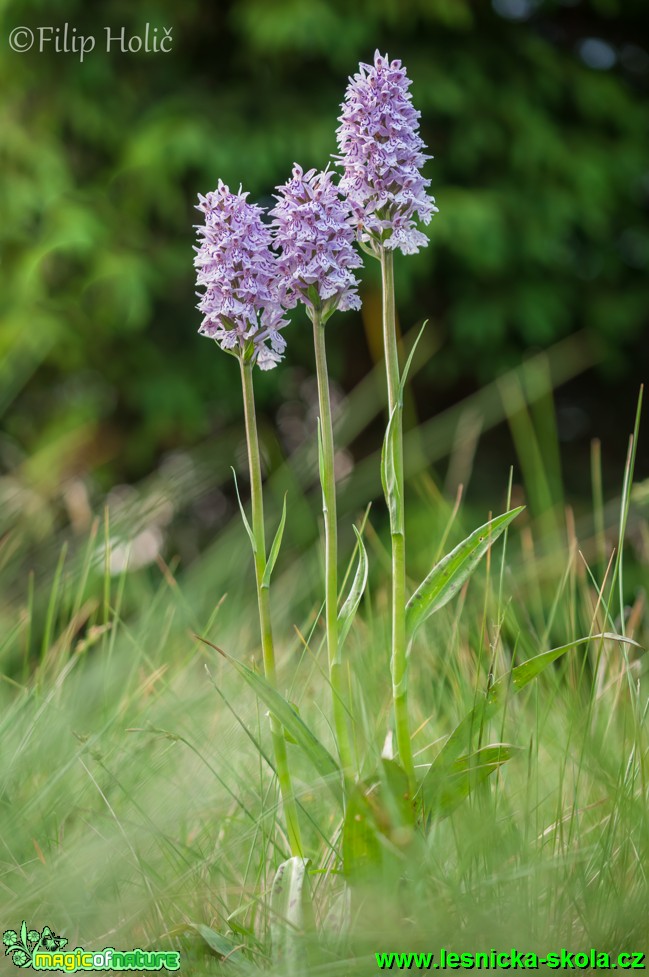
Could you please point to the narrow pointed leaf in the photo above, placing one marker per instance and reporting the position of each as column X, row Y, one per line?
column 274, row 550
column 291, row 914
column 243, row 514
column 396, row 799
column 284, row 712
column 406, row 369
column 495, row 699
column 348, row 610
column 453, row 570
column 523, row 674
column 223, row 947
column 388, row 475
column 321, row 461
column 446, row 786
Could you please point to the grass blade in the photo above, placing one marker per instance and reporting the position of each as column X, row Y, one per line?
column 284, row 712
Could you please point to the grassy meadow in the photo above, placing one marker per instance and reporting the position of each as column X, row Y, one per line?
column 139, row 806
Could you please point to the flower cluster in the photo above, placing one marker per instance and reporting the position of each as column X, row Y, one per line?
column 248, row 286
column 381, row 153
column 313, row 229
column 242, row 303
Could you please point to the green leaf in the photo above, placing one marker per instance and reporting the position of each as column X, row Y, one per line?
column 448, row 576
column 310, row 745
column 348, row 610
column 406, row 369
column 379, row 824
column 397, row 801
column 495, row 699
column 222, row 946
column 447, row 784
column 362, row 850
column 321, row 461
column 288, row 737
column 388, row 474
column 274, row 550
column 291, row 914
column 523, row 674
column 243, row 515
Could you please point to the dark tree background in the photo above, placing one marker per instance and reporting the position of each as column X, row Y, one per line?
column 536, row 113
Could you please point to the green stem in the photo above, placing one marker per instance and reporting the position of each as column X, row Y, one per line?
column 328, row 482
column 399, row 650
column 263, row 600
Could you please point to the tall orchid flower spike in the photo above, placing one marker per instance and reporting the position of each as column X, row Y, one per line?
column 382, row 155
column 243, row 312
column 313, row 229
column 242, row 302
column 314, row 232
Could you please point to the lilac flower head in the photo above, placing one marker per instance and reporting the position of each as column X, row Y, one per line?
column 241, row 305
column 313, row 228
column 381, row 153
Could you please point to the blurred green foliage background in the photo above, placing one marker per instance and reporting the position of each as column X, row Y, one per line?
column 536, row 113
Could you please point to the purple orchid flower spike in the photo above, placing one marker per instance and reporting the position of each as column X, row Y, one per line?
column 381, row 153
column 242, row 303
column 314, row 230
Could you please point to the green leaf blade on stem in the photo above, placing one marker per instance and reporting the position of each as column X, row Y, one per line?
column 406, row 369
column 453, row 570
column 321, row 463
column 274, row 550
column 348, row 610
column 251, row 535
column 389, row 478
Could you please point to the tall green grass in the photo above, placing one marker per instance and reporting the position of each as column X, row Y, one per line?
column 138, row 804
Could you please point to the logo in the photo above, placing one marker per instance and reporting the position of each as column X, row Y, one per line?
column 44, row 950
column 22, row 946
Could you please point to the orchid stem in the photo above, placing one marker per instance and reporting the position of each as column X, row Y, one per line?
column 399, row 663
column 328, row 482
column 263, row 600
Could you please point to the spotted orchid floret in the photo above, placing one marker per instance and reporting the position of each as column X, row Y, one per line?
column 381, row 153
column 314, row 231
column 242, row 302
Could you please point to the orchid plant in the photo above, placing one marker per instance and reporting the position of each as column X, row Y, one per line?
column 313, row 229
column 243, row 311
column 381, row 153
column 254, row 268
